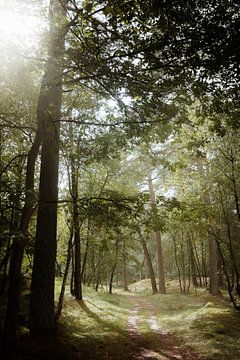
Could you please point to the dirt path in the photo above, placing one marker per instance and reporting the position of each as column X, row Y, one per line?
column 144, row 338
column 155, row 343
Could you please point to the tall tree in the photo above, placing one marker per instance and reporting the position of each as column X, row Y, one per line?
column 157, row 235
column 149, row 261
column 42, row 314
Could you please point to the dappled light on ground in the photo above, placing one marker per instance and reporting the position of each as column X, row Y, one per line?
column 126, row 325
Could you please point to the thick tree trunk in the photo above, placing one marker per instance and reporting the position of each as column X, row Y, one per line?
column 42, row 314
column 157, row 235
column 149, row 263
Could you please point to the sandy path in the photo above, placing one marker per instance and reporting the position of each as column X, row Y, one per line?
column 157, row 343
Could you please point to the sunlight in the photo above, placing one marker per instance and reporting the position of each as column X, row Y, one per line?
column 16, row 25
column 17, row 28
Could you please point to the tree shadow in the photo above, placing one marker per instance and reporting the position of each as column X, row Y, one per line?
column 104, row 323
column 113, row 343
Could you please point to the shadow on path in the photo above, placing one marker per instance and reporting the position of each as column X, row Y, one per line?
column 104, row 323
column 113, row 343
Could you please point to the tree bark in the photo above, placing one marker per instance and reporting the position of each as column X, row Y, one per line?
column 114, row 266
column 17, row 251
column 85, row 256
column 125, row 279
column 193, row 263
column 65, row 276
column 77, row 242
column 157, row 235
column 149, row 263
column 42, row 314
column 212, row 246
column 213, row 266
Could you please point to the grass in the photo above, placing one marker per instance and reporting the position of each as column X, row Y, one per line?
column 206, row 323
column 97, row 327
column 99, row 314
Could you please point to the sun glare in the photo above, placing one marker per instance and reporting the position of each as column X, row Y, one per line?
column 19, row 29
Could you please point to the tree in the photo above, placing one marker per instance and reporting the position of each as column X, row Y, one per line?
column 149, row 262
column 42, row 313
column 157, row 235
column 19, row 120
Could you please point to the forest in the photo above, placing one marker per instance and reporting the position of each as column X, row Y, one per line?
column 119, row 179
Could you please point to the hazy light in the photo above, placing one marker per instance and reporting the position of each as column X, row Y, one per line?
column 19, row 30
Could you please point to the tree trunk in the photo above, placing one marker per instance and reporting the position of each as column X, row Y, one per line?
column 177, row 263
column 85, row 256
column 212, row 246
column 157, row 235
column 114, row 266
column 149, row 263
column 76, row 227
column 77, row 242
column 72, row 289
column 197, row 264
column 111, row 277
column 6, row 257
column 182, row 252
column 213, row 266
column 42, row 314
column 65, row 276
column 17, row 251
column 204, row 262
column 193, row 264
column 125, row 280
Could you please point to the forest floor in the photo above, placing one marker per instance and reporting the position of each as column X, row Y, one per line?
column 131, row 325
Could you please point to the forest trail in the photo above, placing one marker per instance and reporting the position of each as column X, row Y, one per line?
column 157, row 344
column 103, row 327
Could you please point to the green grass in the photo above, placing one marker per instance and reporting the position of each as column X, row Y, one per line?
column 206, row 323
column 97, row 327
column 97, row 315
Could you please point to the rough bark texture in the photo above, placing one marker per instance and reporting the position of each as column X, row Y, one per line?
column 42, row 316
column 157, row 236
column 149, row 263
